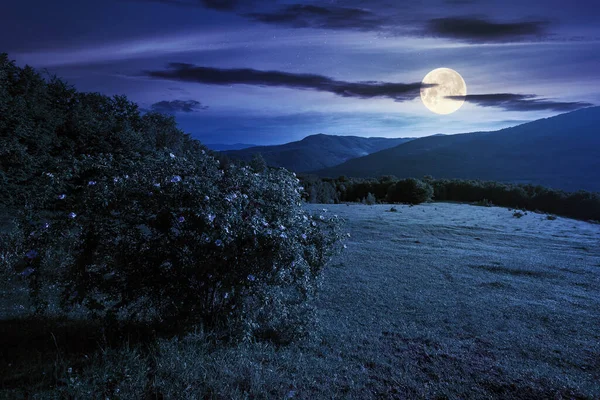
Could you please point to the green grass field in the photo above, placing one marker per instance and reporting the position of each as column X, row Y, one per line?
column 436, row 301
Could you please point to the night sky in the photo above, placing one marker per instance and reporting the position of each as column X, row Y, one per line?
column 270, row 72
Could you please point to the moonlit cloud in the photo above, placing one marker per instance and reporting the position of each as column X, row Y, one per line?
column 521, row 102
column 482, row 30
column 217, row 76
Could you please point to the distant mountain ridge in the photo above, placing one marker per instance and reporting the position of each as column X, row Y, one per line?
column 317, row 151
column 224, row 147
column 561, row 152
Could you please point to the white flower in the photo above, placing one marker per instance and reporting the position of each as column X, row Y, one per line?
column 345, row 246
column 348, row 234
column 301, row 187
column 245, row 195
column 206, row 198
column 282, row 227
column 251, row 278
column 304, row 236
column 203, row 152
column 226, row 295
column 171, row 155
column 321, row 217
column 324, row 210
column 72, row 215
column 283, row 235
column 157, row 185
column 51, row 175
column 211, row 217
column 91, row 183
column 115, row 179
column 126, row 176
column 175, row 179
column 313, row 223
column 62, row 196
column 305, row 217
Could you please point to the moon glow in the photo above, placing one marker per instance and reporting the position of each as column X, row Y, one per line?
column 448, row 83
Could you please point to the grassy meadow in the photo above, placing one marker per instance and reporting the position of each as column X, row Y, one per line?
column 434, row 301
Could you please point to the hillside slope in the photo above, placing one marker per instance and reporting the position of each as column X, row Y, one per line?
column 561, row 152
column 317, row 151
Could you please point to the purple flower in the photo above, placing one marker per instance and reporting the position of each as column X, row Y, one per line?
column 51, row 175
column 31, row 254
column 27, row 271
column 283, row 235
column 176, row 179
column 46, row 225
column 219, row 242
column 304, row 236
column 91, row 183
column 245, row 195
column 126, row 176
column 211, row 217
column 62, row 196
column 181, row 219
column 115, row 179
column 72, row 215
column 157, row 185
column 206, row 198
column 269, row 232
column 251, row 278
column 282, row 227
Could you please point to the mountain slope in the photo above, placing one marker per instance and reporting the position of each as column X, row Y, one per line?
column 224, row 147
column 562, row 152
column 317, row 151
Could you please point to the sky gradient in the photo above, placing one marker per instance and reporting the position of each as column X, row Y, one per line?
column 271, row 72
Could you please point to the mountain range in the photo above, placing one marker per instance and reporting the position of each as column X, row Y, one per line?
column 561, row 152
column 317, row 151
column 224, row 147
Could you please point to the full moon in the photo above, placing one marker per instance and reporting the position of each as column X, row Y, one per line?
column 448, row 83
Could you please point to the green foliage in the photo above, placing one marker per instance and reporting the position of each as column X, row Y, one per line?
column 483, row 203
column 411, row 191
column 178, row 240
column 258, row 163
column 131, row 219
column 369, row 200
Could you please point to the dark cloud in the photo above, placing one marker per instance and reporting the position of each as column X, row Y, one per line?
column 171, row 107
column 311, row 16
column 221, row 5
column 481, row 30
column 215, row 76
column 521, row 102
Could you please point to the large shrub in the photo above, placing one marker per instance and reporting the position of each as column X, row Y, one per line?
column 412, row 191
column 175, row 239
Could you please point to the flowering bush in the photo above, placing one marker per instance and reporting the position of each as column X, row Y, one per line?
column 175, row 239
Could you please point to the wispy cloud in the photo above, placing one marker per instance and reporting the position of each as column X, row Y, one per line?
column 521, row 102
column 221, row 5
column 175, row 106
column 482, row 30
column 312, row 16
column 215, row 76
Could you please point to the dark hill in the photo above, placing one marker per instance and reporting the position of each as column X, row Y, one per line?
column 317, row 151
column 562, row 152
